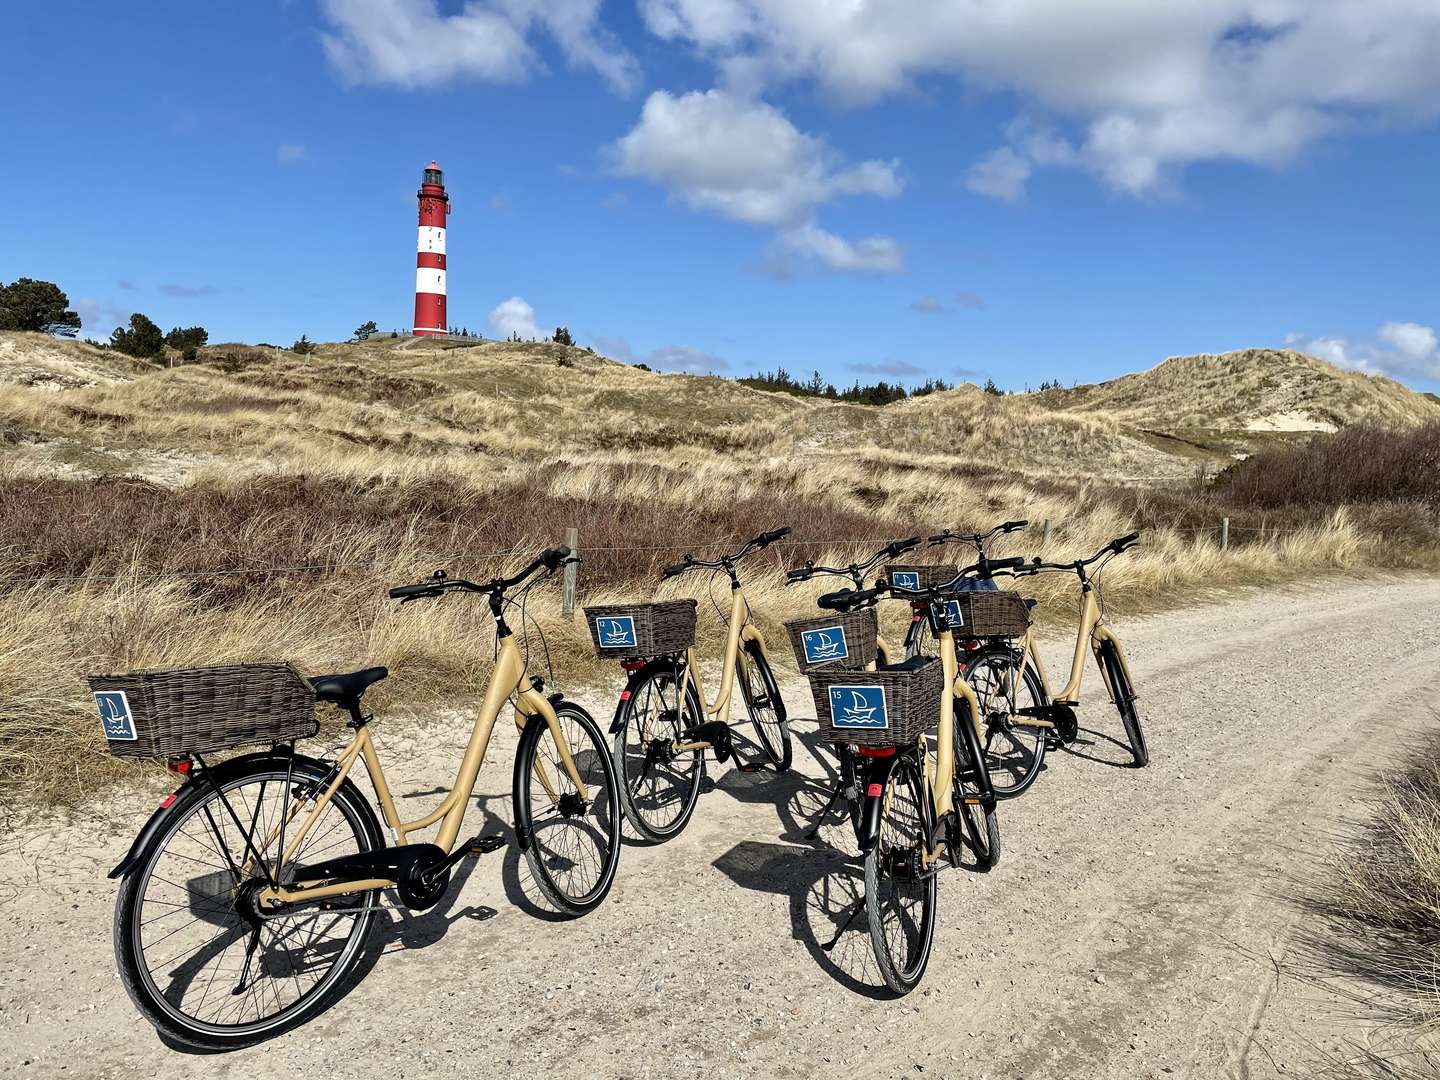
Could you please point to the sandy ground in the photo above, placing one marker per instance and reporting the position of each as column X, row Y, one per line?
column 1136, row 926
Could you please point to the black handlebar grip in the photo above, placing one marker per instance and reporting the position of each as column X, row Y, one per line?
column 800, row 573
column 409, row 592
column 671, row 571
column 773, row 535
column 899, row 547
column 1014, row 526
column 1123, row 542
column 1007, row 564
column 553, row 558
column 837, row 601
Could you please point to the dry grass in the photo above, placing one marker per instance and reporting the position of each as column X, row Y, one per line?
column 1376, row 904
column 140, row 508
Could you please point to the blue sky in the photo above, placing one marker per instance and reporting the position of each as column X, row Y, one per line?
column 1022, row 191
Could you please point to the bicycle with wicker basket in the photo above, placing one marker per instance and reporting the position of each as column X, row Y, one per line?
column 246, row 899
column 923, row 798
column 663, row 724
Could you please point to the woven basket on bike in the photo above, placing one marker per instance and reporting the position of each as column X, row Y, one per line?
column 626, row 631
column 920, row 575
column 834, row 640
column 988, row 615
column 878, row 708
column 162, row 714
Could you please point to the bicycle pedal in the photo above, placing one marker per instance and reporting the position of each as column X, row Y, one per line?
column 484, row 845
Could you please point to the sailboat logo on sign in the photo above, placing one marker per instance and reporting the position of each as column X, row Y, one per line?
column 115, row 718
column 824, row 643
column 858, row 707
column 616, row 632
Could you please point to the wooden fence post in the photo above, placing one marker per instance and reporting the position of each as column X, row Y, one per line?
column 567, row 603
column 1224, row 534
column 1045, row 534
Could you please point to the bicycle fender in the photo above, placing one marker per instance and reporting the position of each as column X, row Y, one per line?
column 636, row 677
column 874, row 776
column 151, row 828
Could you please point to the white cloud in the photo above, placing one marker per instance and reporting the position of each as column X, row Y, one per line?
column 1139, row 89
column 970, row 300
column 514, row 316
column 1001, row 174
column 1414, row 342
column 743, row 159
column 684, row 358
column 1408, row 349
column 898, row 368
column 285, row 153
column 411, row 43
column 928, row 305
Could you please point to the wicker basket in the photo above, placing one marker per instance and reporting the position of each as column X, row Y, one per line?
column 920, row 575
column 623, row 631
column 834, row 640
column 878, row 708
column 161, row 714
column 987, row 615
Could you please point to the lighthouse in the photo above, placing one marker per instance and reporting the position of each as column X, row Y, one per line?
column 430, row 254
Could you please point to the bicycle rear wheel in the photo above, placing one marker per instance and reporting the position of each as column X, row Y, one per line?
column 198, row 957
column 658, row 787
column 1123, row 695
column 573, row 841
column 765, row 706
column 1014, row 752
column 900, row 890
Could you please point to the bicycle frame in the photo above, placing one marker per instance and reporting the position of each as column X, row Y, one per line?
column 739, row 630
column 1091, row 629
column 505, row 680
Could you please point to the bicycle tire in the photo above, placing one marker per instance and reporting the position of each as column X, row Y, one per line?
column 1123, row 695
column 643, row 693
column 199, row 805
column 978, row 819
column 776, row 742
column 556, row 837
column 895, row 874
column 1011, row 774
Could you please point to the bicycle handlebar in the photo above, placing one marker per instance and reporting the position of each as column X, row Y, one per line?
column 890, row 551
column 551, row 559
column 760, row 542
column 1114, row 547
column 948, row 537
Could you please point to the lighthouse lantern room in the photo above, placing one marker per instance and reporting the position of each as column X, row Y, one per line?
column 430, row 254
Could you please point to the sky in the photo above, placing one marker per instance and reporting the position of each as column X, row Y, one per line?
column 1022, row 190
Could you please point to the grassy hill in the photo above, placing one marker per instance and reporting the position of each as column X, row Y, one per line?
column 258, row 503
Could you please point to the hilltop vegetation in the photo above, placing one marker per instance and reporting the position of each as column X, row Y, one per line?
column 258, row 502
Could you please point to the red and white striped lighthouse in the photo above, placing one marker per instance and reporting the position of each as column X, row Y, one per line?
column 430, row 254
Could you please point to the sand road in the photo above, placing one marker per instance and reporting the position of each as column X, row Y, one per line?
column 1135, row 927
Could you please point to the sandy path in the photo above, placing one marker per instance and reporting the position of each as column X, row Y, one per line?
column 1133, row 928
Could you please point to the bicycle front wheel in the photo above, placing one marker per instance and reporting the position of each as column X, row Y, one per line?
column 1124, row 697
column 974, row 795
column 900, row 889
column 1014, row 750
column 765, row 706
column 571, row 837
column 200, row 958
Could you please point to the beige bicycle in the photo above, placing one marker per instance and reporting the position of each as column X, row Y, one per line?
column 247, row 898
column 664, row 725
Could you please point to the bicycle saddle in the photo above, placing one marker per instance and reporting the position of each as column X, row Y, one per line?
column 346, row 689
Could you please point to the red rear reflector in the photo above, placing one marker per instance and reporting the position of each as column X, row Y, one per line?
column 874, row 790
column 168, row 801
column 875, row 751
column 632, row 665
column 624, row 695
column 179, row 765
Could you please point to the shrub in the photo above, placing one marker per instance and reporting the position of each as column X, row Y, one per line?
column 1365, row 463
column 562, row 336
column 304, row 346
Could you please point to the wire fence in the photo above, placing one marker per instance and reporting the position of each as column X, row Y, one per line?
column 1047, row 529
